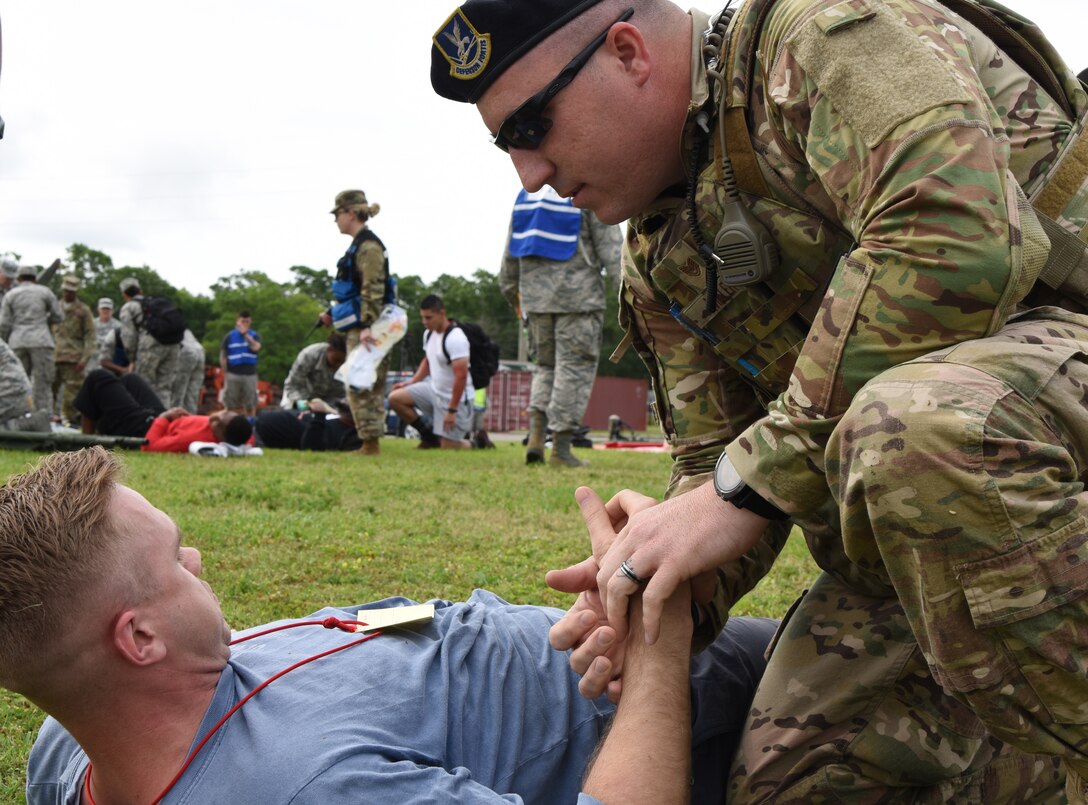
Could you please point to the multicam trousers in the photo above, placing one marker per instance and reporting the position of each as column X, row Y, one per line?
column 367, row 407
column 567, row 347
column 960, row 482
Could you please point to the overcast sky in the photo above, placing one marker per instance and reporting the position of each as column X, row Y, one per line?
column 202, row 138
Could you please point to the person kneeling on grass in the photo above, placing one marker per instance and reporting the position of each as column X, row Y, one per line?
column 438, row 399
column 127, row 406
column 106, row 625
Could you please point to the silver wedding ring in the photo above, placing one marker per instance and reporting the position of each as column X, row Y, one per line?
column 629, row 572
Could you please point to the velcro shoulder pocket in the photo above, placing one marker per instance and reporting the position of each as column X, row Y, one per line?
column 876, row 72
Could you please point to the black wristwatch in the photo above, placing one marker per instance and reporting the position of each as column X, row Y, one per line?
column 451, row 410
column 731, row 488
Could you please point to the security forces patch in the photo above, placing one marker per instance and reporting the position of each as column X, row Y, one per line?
column 464, row 47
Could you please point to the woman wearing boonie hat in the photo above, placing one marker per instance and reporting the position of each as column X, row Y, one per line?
column 359, row 290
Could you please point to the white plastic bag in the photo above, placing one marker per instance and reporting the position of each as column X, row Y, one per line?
column 360, row 369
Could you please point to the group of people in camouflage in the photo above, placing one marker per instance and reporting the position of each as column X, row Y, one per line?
column 57, row 343
column 49, row 345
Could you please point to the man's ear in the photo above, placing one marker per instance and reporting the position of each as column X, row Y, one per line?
column 136, row 639
column 626, row 43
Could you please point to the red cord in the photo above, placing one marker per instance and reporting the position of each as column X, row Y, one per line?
column 328, row 623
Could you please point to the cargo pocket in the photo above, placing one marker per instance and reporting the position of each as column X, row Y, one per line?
column 781, row 630
column 1030, row 602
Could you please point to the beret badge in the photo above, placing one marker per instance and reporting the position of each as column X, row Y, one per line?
column 465, row 48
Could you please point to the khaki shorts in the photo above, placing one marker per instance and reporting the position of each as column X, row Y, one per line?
column 240, row 391
column 430, row 403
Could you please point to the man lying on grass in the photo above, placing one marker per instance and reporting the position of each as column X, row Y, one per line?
column 106, row 625
column 128, row 406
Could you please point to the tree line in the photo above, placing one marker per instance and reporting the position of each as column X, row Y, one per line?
column 284, row 313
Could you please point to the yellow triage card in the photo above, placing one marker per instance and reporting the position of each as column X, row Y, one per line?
column 394, row 616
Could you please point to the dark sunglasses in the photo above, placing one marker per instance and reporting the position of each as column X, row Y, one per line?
column 526, row 126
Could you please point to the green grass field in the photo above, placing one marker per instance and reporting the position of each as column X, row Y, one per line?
column 288, row 533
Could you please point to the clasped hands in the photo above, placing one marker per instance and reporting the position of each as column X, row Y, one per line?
column 664, row 544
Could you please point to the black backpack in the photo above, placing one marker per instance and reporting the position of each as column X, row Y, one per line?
column 161, row 320
column 483, row 353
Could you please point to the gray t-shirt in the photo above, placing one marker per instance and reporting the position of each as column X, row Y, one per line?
column 474, row 707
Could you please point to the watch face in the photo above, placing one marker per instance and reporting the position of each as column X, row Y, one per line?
column 727, row 481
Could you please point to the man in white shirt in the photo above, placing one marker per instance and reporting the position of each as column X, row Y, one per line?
column 437, row 401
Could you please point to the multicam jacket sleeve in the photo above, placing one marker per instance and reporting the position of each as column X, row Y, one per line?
column 881, row 109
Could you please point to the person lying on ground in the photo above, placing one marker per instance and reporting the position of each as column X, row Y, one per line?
column 127, row 406
column 316, row 430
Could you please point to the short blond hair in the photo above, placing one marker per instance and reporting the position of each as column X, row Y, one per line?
column 55, row 547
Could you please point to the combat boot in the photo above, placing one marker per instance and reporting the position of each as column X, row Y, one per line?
column 538, row 423
column 561, row 454
column 370, row 447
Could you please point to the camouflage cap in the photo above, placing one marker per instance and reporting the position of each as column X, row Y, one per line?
column 105, row 301
column 482, row 39
column 27, row 271
column 347, row 199
column 128, row 283
column 71, row 283
column 9, row 266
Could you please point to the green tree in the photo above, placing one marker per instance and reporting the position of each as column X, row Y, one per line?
column 313, row 282
column 85, row 262
column 198, row 310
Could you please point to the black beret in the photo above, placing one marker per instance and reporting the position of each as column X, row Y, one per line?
column 482, row 39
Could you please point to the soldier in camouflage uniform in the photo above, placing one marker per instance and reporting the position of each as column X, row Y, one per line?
column 900, row 386
column 311, row 374
column 25, row 315
column 365, row 267
column 156, row 363
column 562, row 295
column 15, row 387
column 104, row 327
column 75, row 347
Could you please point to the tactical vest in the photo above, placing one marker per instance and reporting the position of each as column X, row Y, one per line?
column 345, row 287
column 238, row 351
column 346, row 312
column 761, row 328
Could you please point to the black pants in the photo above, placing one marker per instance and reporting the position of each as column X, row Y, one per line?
column 285, row 429
column 120, row 406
